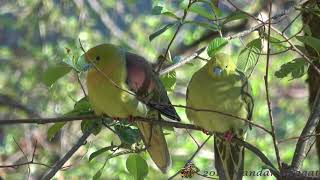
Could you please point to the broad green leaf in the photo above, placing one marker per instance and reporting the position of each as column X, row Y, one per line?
column 54, row 129
column 169, row 80
column 297, row 68
column 137, row 166
column 161, row 10
column 249, row 56
column 209, row 26
column 82, row 105
column 94, row 126
column 160, row 31
column 52, row 74
column 310, row 41
column 216, row 10
column 307, row 30
column 202, row 11
column 216, row 45
column 237, row 15
column 128, row 135
column 100, row 151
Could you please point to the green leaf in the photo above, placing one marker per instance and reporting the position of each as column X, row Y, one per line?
column 82, row 105
column 310, row 41
column 94, row 126
column 249, row 56
column 100, row 151
column 161, row 30
column 54, row 129
column 128, row 135
column 237, row 15
column 161, row 10
column 137, row 166
column 97, row 175
column 200, row 10
column 216, row 45
column 169, row 80
column 216, row 10
column 52, row 74
column 297, row 68
column 209, row 26
column 307, row 29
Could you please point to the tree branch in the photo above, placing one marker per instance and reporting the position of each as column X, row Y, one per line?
column 58, row 165
column 304, row 140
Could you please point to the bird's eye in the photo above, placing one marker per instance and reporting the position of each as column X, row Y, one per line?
column 217, row 70
column 98, row 58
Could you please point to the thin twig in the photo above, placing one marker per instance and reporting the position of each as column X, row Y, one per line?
column 24, row 155
column 185, row 12
column 194, row 140
column 151, row 120
column 81, row 85
column 275, row 143
column 59, row 164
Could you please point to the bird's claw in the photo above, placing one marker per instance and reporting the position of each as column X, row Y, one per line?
column 116, row 118
column 228, row 136
column 206, row 132
column 130, row 119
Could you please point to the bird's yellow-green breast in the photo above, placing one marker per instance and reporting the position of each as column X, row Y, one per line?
column 103, row 79
column 217, row 86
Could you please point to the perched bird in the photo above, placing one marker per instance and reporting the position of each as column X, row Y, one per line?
column 121, row 85
column 219, row 86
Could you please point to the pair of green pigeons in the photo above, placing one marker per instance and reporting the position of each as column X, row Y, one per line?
column 122, row 84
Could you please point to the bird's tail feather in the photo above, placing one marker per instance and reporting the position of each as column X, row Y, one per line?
column 156, row 144
column 229, row 159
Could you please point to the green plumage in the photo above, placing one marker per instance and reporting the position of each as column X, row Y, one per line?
column 220, row 87
column 122, row 84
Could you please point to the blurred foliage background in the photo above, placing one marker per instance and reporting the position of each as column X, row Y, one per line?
column 34, row 35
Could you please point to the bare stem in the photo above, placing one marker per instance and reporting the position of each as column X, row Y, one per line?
column 275, row 143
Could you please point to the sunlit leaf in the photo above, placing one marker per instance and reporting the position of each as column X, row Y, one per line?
column 169, row 80
column 216, row 10
column 202, row 11
column 54, row 129
column 137, row 166
column 216, row 45
column 52, row 74
column 161, row 10
column 248, row 57
column 100, row 151
column 296, row 68
column 160, row 31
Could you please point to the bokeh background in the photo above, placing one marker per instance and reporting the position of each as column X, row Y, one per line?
column 34, row 35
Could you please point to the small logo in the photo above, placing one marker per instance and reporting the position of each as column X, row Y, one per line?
column 189, row 170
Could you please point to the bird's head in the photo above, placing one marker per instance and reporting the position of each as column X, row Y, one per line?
column 100, row 56
column 220, row 65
